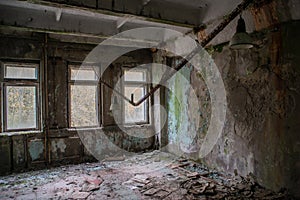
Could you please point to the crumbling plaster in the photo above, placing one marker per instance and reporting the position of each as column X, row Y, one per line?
column 260, row 135
column 56, row 143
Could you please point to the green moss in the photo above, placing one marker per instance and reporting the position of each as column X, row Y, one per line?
column 210, row 50
column 177, row 107
column 217, row 48
column 225, row 151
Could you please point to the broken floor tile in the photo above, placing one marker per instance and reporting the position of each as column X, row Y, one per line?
column 193, row 174
column 161, row 194
column 133, row 185
column 141, row 179
column 151, row 191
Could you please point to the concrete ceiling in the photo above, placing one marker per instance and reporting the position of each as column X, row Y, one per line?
column 103, row 18
column 189, row 12
column 64, row 19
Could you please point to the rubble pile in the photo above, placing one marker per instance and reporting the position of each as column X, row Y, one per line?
column 152, row 175
column 191, row 180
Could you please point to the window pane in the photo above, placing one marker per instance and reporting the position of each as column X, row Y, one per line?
column 83, row 74
column 134, row 113
column 84, row 105
column 21, row 107
column 20, row 72
column 135, row 75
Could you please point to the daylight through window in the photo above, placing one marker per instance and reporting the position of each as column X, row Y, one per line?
column 83, row 97
column 20, row 96
column 135, row 82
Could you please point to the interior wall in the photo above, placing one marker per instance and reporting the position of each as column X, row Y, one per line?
column 262, row 87
column 260, row 135
column 56, row 143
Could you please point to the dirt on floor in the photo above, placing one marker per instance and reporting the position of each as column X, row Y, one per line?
column 152, row 175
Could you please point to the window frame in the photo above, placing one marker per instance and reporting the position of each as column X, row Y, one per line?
column 82, row 83
column 143, row 84
column 20, row 82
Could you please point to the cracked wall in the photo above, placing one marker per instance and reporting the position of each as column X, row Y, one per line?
column 262, row 90
column 260, row 135
column 261, row 128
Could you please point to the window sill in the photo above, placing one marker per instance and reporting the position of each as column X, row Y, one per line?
column 85, row 129
column 110, row 126
column 136, row 125
column 14, row 133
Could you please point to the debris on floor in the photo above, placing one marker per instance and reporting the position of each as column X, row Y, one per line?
column 142, row 176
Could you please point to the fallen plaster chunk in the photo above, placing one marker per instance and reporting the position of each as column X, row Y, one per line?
column 91, row 184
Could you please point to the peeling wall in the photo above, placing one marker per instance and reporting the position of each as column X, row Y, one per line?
column 261, row 86
column 177, row 106
column 35, row 149
column 56, row 143
column 261, row 132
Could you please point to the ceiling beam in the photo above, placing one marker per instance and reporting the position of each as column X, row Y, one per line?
column 71, row 20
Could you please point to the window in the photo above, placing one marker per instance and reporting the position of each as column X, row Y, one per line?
column 83, row 97
column 135, row 82
column 20, row 96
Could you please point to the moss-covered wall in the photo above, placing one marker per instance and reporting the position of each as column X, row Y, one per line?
column 177, row 105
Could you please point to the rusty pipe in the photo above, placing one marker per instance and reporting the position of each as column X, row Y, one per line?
column 166, row 76
column 116, row 91
column 242, row 6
